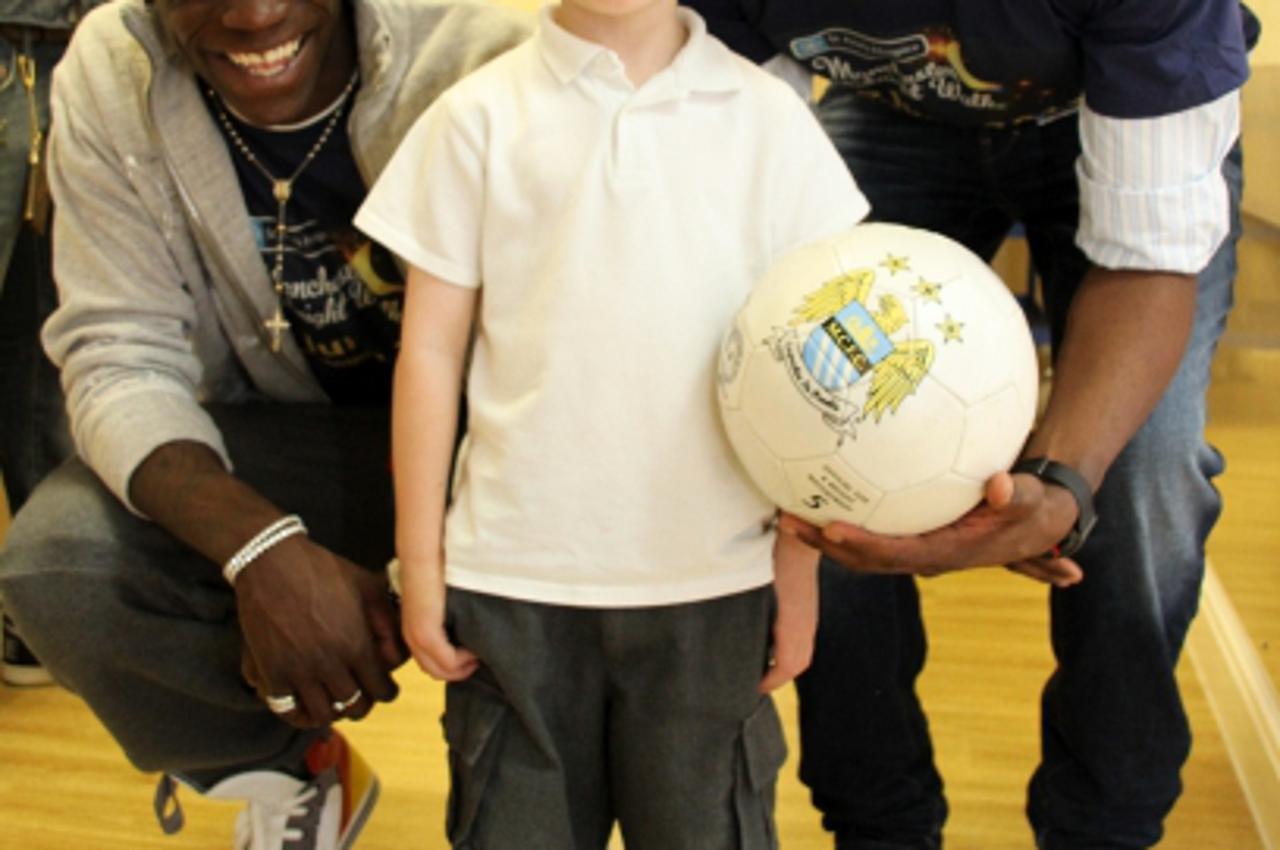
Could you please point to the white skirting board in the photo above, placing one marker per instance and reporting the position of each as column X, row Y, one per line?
column 1243, row 700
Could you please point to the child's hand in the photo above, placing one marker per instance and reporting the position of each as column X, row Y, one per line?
column 795, row 581
column 422, row 606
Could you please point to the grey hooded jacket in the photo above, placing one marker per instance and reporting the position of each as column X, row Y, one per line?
column 162, row 288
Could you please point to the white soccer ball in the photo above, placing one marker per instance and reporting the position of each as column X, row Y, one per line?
column 878, row 377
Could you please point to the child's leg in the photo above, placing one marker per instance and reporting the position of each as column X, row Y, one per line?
column 526, row 731
column 694, row 748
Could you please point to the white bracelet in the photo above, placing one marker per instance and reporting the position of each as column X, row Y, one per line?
column 282, row 528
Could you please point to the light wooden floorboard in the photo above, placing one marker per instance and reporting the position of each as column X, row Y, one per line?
column 62, row 784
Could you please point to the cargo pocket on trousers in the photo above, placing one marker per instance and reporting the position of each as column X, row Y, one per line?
column 762, row 751
column 474, row 719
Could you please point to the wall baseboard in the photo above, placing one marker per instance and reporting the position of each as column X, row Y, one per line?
column 1244, row 703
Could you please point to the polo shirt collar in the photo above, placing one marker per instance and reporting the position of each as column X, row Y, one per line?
column 700, row 66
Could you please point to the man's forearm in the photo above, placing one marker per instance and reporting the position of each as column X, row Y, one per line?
column 184, row 488
column 1124, row 339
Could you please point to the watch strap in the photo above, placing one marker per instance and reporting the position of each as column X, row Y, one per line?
column 1061, row 475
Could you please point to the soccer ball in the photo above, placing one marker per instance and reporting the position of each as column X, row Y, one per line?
column 878, row 377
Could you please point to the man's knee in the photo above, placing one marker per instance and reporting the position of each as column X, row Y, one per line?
column 73, row 554
column 73, row 523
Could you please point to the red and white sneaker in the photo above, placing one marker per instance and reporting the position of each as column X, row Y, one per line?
column 326, row 812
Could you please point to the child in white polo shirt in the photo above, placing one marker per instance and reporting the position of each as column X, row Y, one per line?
column 582, row 218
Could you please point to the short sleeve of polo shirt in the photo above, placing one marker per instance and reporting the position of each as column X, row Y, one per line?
column 427, row 204
column 1144, row 59
column 815, row 195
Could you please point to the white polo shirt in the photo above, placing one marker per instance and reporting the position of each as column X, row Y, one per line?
column 614, row 232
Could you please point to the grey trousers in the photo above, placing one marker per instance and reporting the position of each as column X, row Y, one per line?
column 579, row 717
column 145, row 630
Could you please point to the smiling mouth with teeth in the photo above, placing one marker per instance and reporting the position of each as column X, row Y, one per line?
column 269, row 62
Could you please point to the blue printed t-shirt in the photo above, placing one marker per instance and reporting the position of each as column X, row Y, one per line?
column 1001, row 61
column 343, row 293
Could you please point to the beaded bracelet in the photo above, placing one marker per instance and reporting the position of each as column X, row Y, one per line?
column 279, row 530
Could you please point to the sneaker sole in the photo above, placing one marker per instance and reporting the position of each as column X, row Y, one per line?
column 361, row 815
column 25, row 677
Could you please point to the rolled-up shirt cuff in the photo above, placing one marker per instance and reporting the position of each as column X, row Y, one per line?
column 1152, row 194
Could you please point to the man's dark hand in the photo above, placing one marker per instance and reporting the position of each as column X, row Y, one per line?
column 1019, row 520
column 319, row 628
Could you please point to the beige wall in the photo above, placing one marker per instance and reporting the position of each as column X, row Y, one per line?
column 1261, row 117
column 1267, row 53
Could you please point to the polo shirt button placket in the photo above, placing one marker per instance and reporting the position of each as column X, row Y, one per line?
column 628, row 150
column 618, row 144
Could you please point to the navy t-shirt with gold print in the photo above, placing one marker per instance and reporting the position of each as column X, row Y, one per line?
column 343, row 293
column 970, row 62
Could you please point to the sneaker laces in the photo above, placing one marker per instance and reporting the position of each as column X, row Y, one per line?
column 283, row 812
column 291, row 822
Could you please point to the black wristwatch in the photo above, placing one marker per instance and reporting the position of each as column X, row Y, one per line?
column 1061, row 475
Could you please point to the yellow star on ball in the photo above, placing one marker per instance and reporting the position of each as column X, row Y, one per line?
column 896, row 264
column 928, row 290
column 951, row 329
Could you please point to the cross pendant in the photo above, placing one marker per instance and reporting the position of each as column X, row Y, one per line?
column 276, row 325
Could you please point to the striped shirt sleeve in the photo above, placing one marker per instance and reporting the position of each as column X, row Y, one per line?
column 1152, row 195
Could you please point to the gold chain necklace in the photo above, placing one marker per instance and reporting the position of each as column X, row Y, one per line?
column 282, row 190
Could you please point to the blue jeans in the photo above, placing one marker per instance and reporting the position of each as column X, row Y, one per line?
column 1114, row 734
column 34, row 437
column 33, row 426
column 145, row 630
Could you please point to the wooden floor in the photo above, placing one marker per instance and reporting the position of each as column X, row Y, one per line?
column 1245, row 544
column 63, row 785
